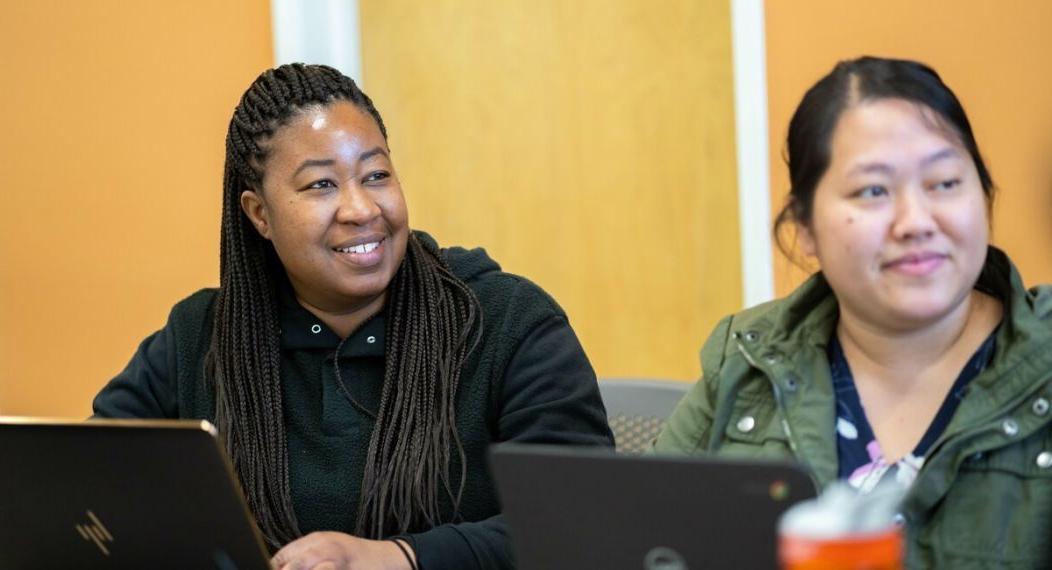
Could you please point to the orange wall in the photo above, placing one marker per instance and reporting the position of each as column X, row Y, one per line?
column 113, row 115
column 994, row 55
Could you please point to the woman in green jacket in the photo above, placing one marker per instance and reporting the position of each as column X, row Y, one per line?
column 357, row 372
column 915, row 354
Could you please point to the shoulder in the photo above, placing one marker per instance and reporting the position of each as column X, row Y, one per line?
column 1041, row 299
column 691, row 426
column 499, row 292
column 747, row 323
column 190, row 321
column 195, row 307
column 1027, row 309
column 805, row 317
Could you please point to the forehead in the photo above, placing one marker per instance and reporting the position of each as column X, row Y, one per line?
column 889, row 131
column 338, row 130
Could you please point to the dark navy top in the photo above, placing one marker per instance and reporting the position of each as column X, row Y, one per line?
column 861, row 461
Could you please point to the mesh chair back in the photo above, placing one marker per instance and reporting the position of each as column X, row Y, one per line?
column 637, row 409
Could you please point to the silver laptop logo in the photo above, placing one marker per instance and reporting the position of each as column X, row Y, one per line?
column 664, row 558
column 96, row 532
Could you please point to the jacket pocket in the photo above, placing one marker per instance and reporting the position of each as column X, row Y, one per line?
column 998, row 511
column 755, row 430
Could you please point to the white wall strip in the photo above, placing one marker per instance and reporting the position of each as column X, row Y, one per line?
column 318, row 31
column 750, row 118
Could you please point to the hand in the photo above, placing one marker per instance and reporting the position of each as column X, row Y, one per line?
column 339, row 551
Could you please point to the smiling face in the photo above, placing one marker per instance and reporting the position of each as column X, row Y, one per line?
column 331, row 205
column 899, row 219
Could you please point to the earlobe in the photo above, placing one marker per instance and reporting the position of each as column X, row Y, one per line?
column 805, row 240
column 253, row 206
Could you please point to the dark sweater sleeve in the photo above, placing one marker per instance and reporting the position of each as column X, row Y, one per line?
column 145, row 388
column 549, row 395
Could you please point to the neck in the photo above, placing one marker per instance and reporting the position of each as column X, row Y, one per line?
column 344, row 320
column 898, row 352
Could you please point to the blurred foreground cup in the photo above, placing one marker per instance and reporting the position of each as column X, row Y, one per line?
column 843, row 530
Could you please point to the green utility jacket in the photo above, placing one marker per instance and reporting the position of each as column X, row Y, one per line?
column 983, row 498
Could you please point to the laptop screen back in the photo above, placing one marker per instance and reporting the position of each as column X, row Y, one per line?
column 121, row 494
column 589, row 508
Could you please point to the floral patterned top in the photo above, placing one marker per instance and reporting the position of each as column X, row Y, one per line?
column 861, row 460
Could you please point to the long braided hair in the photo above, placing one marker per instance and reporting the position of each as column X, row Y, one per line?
column 433, row 323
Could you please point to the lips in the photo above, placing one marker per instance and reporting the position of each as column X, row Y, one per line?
column 916, row 264
column 365, row 251
column 361, row 248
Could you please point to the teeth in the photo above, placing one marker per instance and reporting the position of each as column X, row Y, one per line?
column 363, row 248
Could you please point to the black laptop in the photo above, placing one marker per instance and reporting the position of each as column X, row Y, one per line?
column 121, row 494
column 590, row 508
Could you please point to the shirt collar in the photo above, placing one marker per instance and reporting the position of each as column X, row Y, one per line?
column 300, row 329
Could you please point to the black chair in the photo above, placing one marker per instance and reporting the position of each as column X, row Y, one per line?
column 637, row 409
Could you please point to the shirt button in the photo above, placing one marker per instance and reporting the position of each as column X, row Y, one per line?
column 746, row 424
column 1040, row 406
column 315, row 328
column 1010, row 427
column 370, row 339
column 1044, row 459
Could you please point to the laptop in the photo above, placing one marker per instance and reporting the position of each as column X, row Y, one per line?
column 121, row 494
column 572, row 507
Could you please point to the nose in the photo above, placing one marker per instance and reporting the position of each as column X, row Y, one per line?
column 357, row 206
column 914, row 218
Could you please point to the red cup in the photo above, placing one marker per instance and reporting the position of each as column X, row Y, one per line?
column 877, row 551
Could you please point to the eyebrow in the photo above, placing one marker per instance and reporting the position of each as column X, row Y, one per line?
column 371, row 153
column 313, row 163
column 329, row 162
column 948, row 152
column 870, row 168
column 882, row 168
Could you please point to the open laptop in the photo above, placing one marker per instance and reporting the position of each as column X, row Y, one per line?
column 121, row 494
column 572, row 507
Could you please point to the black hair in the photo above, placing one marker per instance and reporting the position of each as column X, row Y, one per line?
column 851, row 82
column 433, row 322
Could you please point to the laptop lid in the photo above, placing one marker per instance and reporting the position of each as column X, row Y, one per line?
column 121, row 494
column 590, row 508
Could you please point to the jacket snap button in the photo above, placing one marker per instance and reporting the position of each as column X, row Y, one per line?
column 746, row 424
column 1040, row 406
column 751, row 336
column 1044, row 459
column 790, row 383
column 371, row 339
column 1010, row 427
column 772, row 358
column 315, row 328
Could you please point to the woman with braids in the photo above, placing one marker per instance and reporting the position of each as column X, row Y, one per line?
column 356, row 371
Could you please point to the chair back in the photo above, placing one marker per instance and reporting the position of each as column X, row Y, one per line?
column 637, row 409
